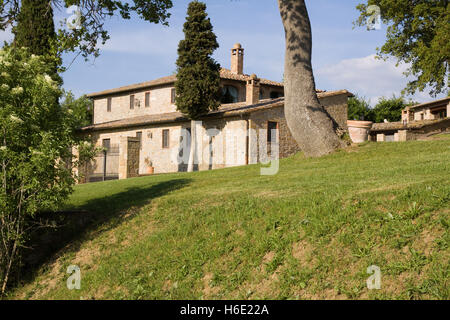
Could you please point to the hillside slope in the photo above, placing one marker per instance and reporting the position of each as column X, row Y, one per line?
column 309, row 232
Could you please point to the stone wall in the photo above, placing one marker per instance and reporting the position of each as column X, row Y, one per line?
column 259, row 121
column 160, row 102
column 220, row 142
column 336, row 106
column 223, row 143
column 227, row 150
column 151, row 145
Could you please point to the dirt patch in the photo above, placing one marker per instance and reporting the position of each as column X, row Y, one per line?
column 302, row 252
column 265, row 287
column 208, row 290
column 268, row 257
column 425, row 242
column 47, row 284
column 329, row 294
column 85, row 257
column 395, row 285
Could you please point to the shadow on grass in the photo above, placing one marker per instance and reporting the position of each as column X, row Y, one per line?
column 87, row 222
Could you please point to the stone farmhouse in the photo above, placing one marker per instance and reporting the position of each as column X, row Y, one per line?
column 418, row 122
column 143, row 133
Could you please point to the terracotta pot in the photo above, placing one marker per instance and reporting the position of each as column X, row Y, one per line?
column 359, row 130
column 150, row 170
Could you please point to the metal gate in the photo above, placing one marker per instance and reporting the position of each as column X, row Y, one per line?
column 106, row 165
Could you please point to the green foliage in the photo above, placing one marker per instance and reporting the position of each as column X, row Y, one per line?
column 386, row 108
column 198, row 77
column 418, row 34
column 35, row 28
column 36, row 136
column 81, row 109
column 389, row 109
column 93, row 15
column 359, row 109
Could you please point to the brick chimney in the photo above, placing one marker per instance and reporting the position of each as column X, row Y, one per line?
column 237, row 59
column 252, row 90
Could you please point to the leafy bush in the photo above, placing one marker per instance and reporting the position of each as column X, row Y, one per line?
column 386, row 108
column 359, row 109
column 36, row 138
column 389, row 109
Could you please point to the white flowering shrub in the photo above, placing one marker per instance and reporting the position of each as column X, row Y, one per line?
column 36, row 136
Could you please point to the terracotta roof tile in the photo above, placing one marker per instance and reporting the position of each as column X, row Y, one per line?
column 443, row 101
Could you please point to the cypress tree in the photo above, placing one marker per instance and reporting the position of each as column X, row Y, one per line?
column 198, row 74
column 35, row 28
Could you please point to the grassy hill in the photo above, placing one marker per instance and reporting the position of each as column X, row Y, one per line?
column 309, row 232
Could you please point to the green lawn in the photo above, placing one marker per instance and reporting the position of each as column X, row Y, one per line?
column 309, row 232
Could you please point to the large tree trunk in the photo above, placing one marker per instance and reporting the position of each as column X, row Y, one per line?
column 309, row 123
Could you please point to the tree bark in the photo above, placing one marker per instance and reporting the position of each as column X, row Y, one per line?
column 310, row 125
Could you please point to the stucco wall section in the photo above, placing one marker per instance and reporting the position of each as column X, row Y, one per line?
column 160, row 102
column 228, row 145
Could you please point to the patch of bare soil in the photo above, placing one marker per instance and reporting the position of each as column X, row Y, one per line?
column 265, row 287
column 209, row 291
column 268, row 257
column 46, row 284
column 302, row 251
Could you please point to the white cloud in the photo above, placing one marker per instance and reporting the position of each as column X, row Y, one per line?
column 368, row 77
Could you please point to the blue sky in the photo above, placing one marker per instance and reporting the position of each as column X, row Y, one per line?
column 343, row 57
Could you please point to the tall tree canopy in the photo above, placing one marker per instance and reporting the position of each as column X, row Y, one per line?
column 93, row 14
column 35, row 28
column 418, row 33
column 309, row 123
column 198, row 74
